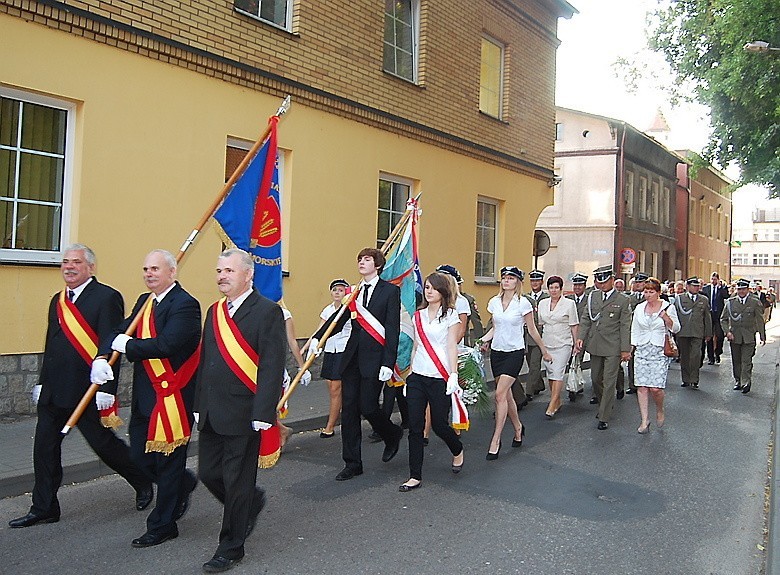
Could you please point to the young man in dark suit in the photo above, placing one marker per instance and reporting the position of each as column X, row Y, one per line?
column 717, row 296
column 64, row 379
column 233, row 403
column 164, row 346
column 368, row 362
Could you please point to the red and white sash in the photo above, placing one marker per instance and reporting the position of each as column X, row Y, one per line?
column 367, row 320
column 243, row 361
column 85, row 341
column 459, row 413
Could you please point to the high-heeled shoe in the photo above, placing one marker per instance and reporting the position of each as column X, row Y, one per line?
column 493, row 456
column 645, row 429
column 515, row 442
column 456, row 468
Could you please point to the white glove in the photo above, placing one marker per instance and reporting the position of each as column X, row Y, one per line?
column 452, row 385
column 104, row 400
column 258, row 425
column 120, row 342
column 286, row 380
column 404, row 390
column 35, row 394
column 306, row 378
column 196, row 417
column 314, row 349
column 385, row 373
column 101, row 371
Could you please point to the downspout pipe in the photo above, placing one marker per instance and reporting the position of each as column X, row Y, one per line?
column 621, row 203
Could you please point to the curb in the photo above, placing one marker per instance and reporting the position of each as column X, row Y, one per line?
column 772, row 566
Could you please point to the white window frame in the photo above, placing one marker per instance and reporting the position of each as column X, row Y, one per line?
column 481, row 277
column 655, row 201
column 502, row 48
column 760, row 259
column 642, row 198
column 667, row 207
column 415, row 16
column 395, row 216
column 287, row 18
column 629, row 194
column 14, row 255
column 558, row 131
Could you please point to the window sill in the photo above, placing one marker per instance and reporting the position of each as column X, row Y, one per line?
column 266, row 22
column 402, row 79
column 494, row 118
column 485, row 281
column 29, row 263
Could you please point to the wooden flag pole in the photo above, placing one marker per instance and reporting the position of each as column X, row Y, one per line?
column 391, row 239
column 94, row 388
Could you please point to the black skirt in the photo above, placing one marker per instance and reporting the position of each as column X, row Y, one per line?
column 331, row 366
column 506, row 362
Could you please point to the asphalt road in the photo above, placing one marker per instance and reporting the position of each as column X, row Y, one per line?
column 688, row 500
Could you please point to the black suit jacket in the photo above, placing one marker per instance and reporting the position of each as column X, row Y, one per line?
column 221, row 397
column 64, row 374
column 385, row 305
column 177, row 319
column 721, row 294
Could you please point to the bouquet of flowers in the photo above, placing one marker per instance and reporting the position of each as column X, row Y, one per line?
column 471, row 378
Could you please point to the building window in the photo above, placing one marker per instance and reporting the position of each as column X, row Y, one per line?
column 654, row 264
column 719, row 225
column 393, row 194
column 667, row 207
column 703, row 220
column 276, row 12
column 776, row 235
column 641, row 261
column 776, row 260
column 558, row 131
column 760, row 259
column 726, row 228
column 642, row 198
column 487, row 231
column 400, row 44
column 692, row 216
column 36, row 149
column 740, row 259
column 655, row 201
column 711, row 231
column 629, row 192
column 491, row 77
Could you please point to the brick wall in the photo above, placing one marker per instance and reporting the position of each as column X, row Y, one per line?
column 333, row 60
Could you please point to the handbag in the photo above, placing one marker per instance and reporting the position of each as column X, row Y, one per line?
column 575, row 381
column 670, row 346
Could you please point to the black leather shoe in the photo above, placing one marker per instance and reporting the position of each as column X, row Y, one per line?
column 737, row 386
column 684, row 384
column 602, row 425
column 218, row 564
column 746, row 389
column 717, row 359
column 189, row 483
column 572, row 396
column 391, row 448
column 31, row 519
column 257, row 506
column 711, row 362
column 143, row 497
column 374, row 437
column 695, row 385
column 529, row 397
column 348, row 473
column 621, row 394
column 630, row 391
column 151, row 539
column 594, row 400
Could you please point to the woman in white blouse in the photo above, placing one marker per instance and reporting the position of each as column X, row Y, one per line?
column 434, row 375
column 652, row 319
column 511, row 312
column 558, row 315
column 331, row 362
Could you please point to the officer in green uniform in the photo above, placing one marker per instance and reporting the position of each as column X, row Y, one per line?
column 693, row 310
column 742, row 317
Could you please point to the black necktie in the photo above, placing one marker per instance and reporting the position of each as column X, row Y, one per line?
column 365, row 294
column 71, row 294
column 230, row 307
column 605, row 296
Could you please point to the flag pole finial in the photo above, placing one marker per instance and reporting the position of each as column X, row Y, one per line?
column 284, row 107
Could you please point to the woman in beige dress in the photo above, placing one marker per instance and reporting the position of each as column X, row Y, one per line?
column 558, row 316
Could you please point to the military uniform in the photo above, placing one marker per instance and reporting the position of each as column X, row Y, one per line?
column 605, row 329
column 693, row 310
column 535, row 382
column 742, row 318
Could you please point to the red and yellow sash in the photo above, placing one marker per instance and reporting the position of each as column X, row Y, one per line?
column 85, row 341
column 169, row 427
column 243, row 361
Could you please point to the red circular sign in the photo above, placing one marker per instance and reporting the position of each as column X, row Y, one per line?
column 627, row 256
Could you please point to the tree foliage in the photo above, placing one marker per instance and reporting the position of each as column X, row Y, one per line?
column 702, row 40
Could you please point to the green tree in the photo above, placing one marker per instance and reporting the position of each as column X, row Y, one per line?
column 702, row 40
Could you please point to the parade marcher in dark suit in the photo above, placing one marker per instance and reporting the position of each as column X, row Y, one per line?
column 743, row 316
column 79, row 316
column 368, row 361
column 163, row 353
column 717, row 295
column 605, row 329
column 239, row 383
column 693, row 311
column 535, row 382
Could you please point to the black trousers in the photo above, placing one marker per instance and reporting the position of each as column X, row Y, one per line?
column 389, row 396
column 167, row 471
column 422, row 391
column 715, row 345
column 47, row 454
column 227, row 465
column 360, row 396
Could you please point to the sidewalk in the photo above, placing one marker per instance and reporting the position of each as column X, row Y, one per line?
column 308, row 409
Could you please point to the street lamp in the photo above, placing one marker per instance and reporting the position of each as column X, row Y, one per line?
column 759, row 46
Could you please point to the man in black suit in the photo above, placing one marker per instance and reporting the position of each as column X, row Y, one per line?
column 368, row 361
column 233, row 403
column 63, row 380
column 717, row 296
column 163, row 352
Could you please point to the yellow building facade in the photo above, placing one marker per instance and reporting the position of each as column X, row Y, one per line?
column 149, row 116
